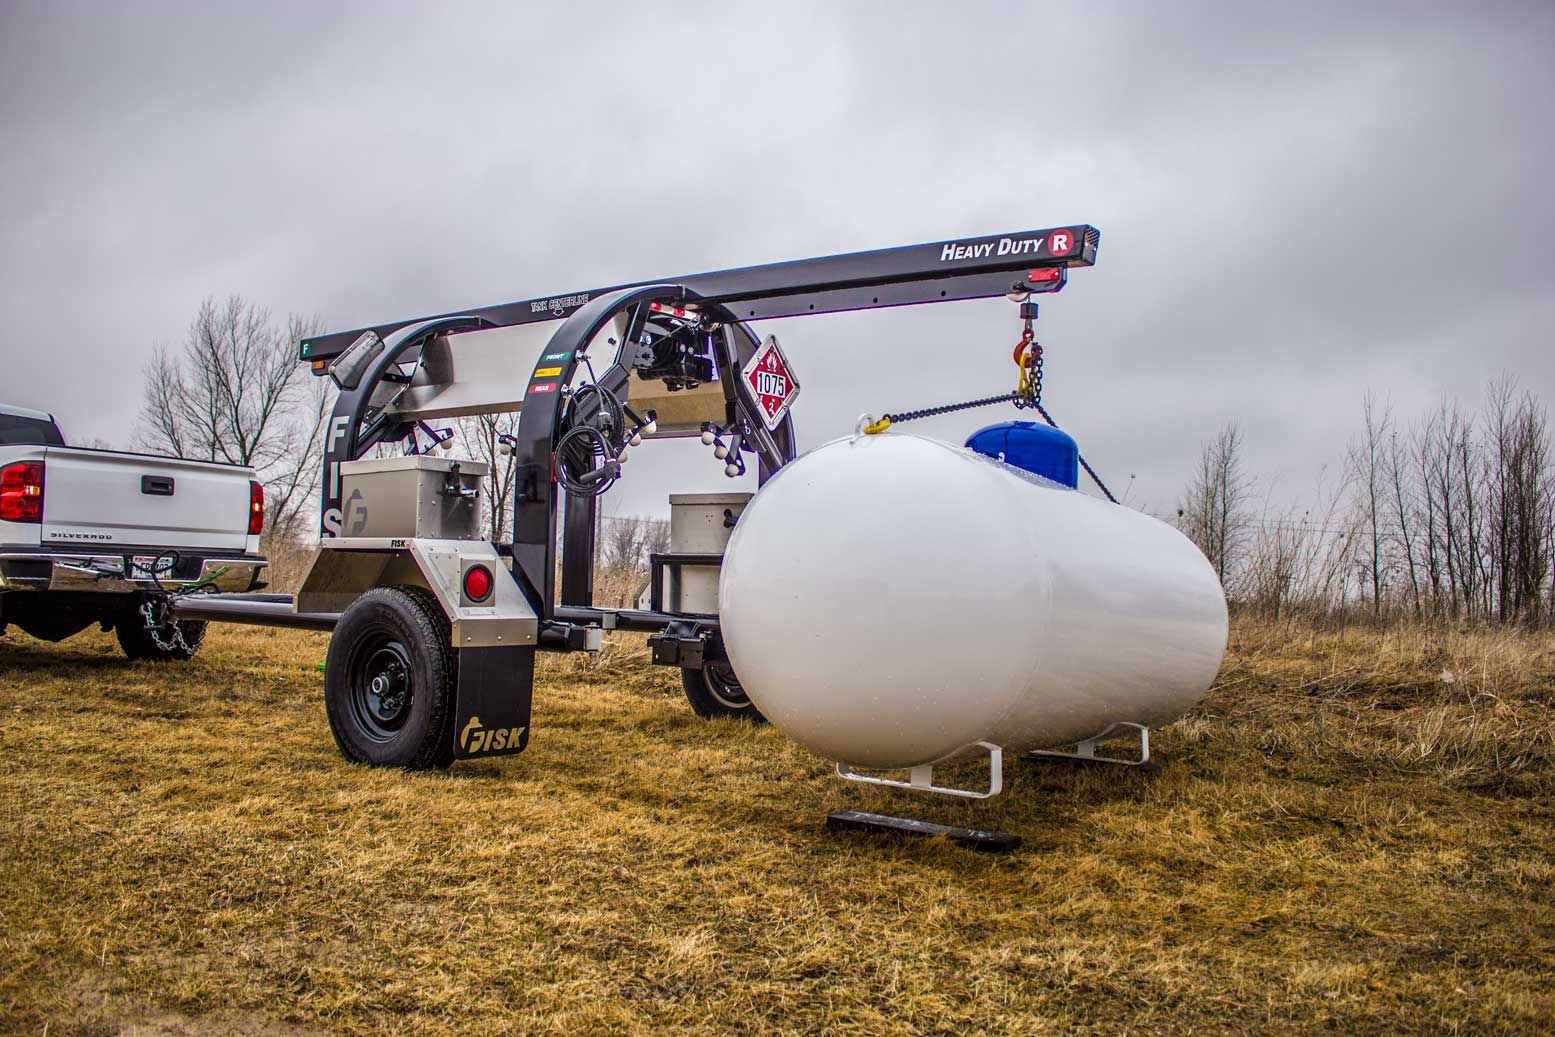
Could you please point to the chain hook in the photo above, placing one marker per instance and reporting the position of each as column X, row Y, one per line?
column 1028, row 358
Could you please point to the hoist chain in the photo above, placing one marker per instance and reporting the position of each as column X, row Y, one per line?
column 1028, row 393
column 887, row 420
column 1028, row 358
column 1080, row 457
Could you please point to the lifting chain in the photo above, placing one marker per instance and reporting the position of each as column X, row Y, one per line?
column 1027, row 394
column 1028, row 360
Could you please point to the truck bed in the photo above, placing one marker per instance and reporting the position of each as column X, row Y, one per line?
column 97, row 497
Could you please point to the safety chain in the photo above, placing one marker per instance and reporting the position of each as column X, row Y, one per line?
column 151, row 606
column 153, row 627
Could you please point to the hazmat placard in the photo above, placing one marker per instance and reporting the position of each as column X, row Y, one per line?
column 769, row 383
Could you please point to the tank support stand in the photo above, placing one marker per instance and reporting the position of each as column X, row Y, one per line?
column 921, row 779
column 1085, row 751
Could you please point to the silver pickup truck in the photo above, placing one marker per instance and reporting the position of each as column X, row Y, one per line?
column 98, row 536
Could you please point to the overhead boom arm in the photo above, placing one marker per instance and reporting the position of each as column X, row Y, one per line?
column 941, row 271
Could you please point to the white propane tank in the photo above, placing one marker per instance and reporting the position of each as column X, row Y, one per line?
column 888, row 601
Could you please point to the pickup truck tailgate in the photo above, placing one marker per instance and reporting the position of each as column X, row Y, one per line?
column 100, row 497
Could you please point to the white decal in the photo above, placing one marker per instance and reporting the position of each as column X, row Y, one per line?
column 558, row 304
column 984, row 249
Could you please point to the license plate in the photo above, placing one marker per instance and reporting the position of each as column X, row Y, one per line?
column 141, row 566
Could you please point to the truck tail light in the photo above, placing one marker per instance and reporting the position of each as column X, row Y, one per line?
column 256, row 508
column 21, row 492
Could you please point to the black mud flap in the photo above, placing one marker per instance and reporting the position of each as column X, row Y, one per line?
column 491, row 717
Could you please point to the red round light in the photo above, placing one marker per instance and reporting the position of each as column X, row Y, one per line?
column 477, row 583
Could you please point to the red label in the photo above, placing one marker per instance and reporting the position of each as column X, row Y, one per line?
column 771, row 384
column 542, row 387
column 1060, row 242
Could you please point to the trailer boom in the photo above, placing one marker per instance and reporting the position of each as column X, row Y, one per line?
column 940, row 271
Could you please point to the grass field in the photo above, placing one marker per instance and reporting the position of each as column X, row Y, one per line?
column 1353, row 833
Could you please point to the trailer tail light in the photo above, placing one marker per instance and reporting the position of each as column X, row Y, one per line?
column 1042, row 276
column 683, row 312
column 21, row 492
column 256, row 508
column 477, row 583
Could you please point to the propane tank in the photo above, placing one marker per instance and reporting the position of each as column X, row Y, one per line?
column 890, row 601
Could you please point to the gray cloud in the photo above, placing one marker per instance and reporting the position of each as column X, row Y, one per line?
column 1296, row 204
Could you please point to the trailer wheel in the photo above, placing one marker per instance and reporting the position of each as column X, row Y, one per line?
column 174, row 641
column 714, row 691
column 389, row 680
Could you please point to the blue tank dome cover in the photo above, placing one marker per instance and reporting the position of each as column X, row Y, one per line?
column 1039, row 449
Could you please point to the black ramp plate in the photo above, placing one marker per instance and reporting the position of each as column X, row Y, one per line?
column 976, row 838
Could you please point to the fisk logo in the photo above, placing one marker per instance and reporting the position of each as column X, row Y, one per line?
column 477, row 739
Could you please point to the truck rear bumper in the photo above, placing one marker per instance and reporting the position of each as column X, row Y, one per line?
column 102, row 573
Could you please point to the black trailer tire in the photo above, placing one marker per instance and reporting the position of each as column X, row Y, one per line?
column 390, row 677
column 138, row 643
column 714, row 691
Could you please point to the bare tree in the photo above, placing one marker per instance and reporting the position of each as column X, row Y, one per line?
column 626, row 542
column 483, row 437
column 1448, row 459
column 1368, row 475
column 235, row 393
column 1404, row 513
column 1214, row 511
column 1518, row 476
column 292, row 480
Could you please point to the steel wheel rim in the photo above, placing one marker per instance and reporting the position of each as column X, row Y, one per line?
column 724, row 686
column 381, row 693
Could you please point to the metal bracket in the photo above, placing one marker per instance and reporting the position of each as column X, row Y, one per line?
column 1085, row 751
column 921, row 779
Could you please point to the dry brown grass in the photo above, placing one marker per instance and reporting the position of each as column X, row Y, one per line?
column 1352, row 833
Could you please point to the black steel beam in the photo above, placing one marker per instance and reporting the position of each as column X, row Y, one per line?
column 267, row 610
column 641, row 620
column 939, row 271
column 886, row 824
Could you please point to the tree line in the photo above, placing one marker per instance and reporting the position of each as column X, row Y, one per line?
column 1450, row 516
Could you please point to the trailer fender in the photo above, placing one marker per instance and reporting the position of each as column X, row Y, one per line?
column 344, row 568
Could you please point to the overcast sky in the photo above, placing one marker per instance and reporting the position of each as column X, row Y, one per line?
column 1296, row 203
